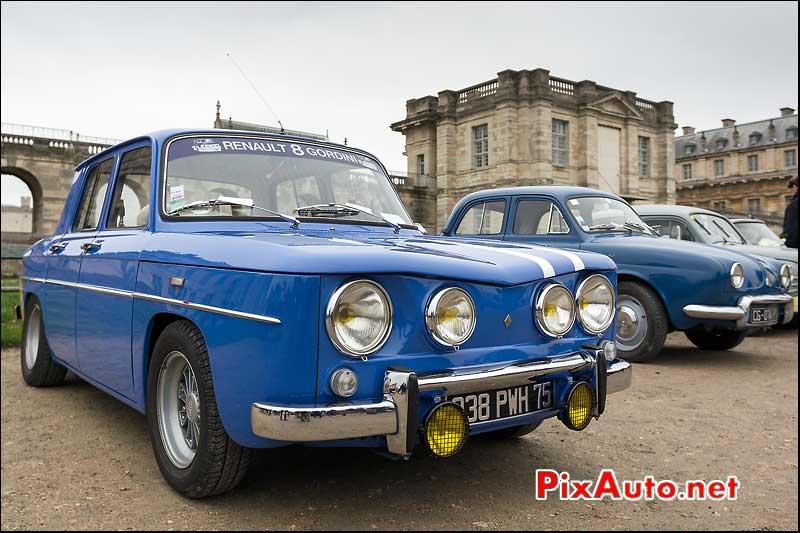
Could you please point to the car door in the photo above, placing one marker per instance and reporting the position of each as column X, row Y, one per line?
column 64, row 263
column 538, row 220
column 483, row 219
column 104, row 307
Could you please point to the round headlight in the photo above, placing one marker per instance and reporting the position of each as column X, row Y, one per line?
column 595, row 299
column 737, row 276
column 555, row 310
column 359, row 318
column 786, row 277
column 450, row 316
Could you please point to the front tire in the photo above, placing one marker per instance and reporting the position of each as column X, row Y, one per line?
column 38, row 367
column 193, row 451
column 642, row 322
column 716, row 339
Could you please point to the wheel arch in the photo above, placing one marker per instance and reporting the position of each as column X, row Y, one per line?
column 625, row 276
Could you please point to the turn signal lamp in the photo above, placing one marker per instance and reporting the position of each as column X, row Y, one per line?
column 446, row 429
column 578, row 408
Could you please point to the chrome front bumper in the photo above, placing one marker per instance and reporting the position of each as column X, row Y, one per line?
column 396, row 417
column 741, row 313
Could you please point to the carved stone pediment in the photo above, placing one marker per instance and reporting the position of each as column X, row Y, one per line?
column 614, row 104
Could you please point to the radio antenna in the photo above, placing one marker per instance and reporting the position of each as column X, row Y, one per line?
column 256, row 91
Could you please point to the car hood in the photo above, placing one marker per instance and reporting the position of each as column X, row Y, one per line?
column 361, row 252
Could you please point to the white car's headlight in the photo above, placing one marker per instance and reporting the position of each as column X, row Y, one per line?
column 595, row 299
column 555, row 310
column 359, row 318
column 737, row 276
column 450, row 316
column 786, row 277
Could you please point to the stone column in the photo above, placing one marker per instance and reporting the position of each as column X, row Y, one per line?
column 446, row 156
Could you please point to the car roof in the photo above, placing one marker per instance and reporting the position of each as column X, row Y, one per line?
column 743, row 220
column 557, row 191
column 675, row 210
column 162, row 136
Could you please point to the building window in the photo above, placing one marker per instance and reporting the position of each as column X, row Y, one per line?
column 790, row 156
column 719, row 205
column 689, row 149
column 721, row 144
column 644, row 156
column 752, row 163
column 719, row 167
column 560, row 143
column 687, row 171
column 754, row 205
column 791, row 133
column 480, row 146
column 421, row 164
column 755, row 138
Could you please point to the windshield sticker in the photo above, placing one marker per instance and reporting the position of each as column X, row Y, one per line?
column 227, row 145
column 176, row 193
column 573, row 202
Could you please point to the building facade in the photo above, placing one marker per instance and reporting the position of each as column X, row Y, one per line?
column 18, row 218
column 529, row 128
column 740, row 168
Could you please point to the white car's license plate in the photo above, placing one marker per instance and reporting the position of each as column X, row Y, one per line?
column 504, row 403
column 763, row 315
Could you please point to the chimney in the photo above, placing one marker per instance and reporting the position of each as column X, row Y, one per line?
column 786, row 111
column 727, row 122
column 688, row 130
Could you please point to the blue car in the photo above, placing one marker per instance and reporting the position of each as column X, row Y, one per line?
column 253, row 291
column 716, row 296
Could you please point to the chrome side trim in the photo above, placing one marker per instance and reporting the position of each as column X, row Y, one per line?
column 453, row 384
column 207, row 308
column 620, row 375
column 741, row 312
column 159, row 299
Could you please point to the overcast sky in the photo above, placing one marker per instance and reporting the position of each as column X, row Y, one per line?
column 118, row 70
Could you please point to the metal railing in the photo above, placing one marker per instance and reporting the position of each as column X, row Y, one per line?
column 21, row 133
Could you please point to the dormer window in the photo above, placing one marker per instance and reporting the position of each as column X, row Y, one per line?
column 791, row 132
column 689, row 149
column 755, row 138
column 721, row 144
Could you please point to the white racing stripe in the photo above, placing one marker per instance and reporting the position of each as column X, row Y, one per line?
column 576, row 261
column 547, row 268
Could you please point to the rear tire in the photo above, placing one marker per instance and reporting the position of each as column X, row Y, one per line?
column 193, row 451
column 38, row 367
column 642, row 322
column 515, row 432
column 716, row 339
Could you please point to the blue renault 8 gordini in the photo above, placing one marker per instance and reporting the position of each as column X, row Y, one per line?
column 252, row 291
column 717, row 296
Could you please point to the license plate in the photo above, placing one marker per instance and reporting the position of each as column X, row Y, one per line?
column 505, row 403
column 763, row 315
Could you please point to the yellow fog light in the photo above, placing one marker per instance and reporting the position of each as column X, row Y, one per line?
column 446, row 429
column 578, row 408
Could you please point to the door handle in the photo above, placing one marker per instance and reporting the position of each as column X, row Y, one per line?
column 90, row 246
column 57, row 248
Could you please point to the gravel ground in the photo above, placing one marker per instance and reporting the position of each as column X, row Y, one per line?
column 75, row 458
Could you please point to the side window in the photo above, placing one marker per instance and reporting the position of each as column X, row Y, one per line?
column 679, row 230
column 484, row 218
column 93, row 195
column 131, row 199
column 661, row 225
column 539, row 217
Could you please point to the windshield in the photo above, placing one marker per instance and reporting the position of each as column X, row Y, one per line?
column 248, row 177
column 599, row 213
column 758, row 233
column 717, row 229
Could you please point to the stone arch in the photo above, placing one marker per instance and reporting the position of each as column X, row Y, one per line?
column 37, row 194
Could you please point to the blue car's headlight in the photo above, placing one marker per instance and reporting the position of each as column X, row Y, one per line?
column 595, row 299
column 450, row 316
column 359, row 318
column 786, row 277
column 555, row 310
column 737, row 276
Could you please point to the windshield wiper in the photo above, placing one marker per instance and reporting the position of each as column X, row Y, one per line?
column 608, row 226
column 334, row 210
column 725, row 238
column 703, row 226
column 213, row 203
column 640, row 227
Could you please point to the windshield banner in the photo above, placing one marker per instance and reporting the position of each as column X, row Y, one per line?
column 236, row 145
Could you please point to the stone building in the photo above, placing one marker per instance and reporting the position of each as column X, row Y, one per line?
column 528, row 128
column 17, row 218
column 739, row 167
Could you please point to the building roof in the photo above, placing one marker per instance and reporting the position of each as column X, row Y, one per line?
column 750, row 135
